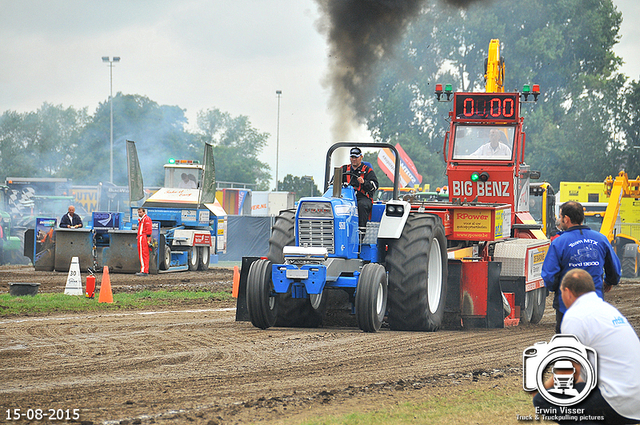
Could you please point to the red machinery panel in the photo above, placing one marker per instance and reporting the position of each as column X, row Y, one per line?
column 473, row 288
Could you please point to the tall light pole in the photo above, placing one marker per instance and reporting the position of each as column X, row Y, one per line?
column 110, row 61
column 278, row 93
column 310, row 180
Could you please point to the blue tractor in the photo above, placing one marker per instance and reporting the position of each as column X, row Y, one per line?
column 385, row 268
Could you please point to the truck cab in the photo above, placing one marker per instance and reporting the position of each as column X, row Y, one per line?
column 192, row 223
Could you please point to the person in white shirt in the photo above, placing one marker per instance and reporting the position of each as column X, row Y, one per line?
column 186, row 182
column 496, row 147
column 599, row 325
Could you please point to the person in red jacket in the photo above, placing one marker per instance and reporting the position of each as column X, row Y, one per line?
column 145, row 228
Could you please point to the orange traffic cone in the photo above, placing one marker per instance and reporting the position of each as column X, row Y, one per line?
column 105, row 287
column 236, row 282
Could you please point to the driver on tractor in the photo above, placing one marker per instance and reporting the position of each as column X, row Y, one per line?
column 363, row 179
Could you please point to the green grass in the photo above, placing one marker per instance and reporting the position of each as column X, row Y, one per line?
column 56, row 302
column 481, row 406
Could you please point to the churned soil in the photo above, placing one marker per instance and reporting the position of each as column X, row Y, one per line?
column 194, row 363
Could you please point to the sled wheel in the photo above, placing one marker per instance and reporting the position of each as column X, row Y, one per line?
column 534, row 303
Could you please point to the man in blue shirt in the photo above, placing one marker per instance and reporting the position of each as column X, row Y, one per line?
column 578, row 247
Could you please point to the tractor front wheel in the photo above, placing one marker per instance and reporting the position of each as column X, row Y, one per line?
column 261, row 300
column 371, row 297
column 293, row 312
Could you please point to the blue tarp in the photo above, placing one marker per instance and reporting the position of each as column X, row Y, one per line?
column 247, row 236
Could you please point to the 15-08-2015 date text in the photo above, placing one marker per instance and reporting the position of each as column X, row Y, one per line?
column 43, row 414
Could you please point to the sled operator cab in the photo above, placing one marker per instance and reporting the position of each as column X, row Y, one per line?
column 183, row 174
column 484, row 151
column 191, row 222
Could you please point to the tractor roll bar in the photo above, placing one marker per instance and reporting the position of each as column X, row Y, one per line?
column 396, row 173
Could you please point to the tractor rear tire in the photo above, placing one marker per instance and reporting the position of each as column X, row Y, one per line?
column 17, row 256
column 534, row 303
column 282, row 234
column 292, row 312
column 371, row 297
column 261, row 301
column 417, row 265
column 629, row 267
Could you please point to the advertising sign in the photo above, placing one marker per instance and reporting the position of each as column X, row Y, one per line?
column 409, row 175
column 472, row 224
column 44, row 247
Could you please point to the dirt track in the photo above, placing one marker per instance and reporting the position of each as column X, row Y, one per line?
column 196, row 364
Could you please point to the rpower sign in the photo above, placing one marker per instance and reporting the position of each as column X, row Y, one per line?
column 481, row 224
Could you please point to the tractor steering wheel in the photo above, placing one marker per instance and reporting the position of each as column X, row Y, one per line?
column 350, row 173
column 344, row 184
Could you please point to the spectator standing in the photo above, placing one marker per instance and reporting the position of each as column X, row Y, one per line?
column 71, row 220
column 578, row 247
column 145, row 228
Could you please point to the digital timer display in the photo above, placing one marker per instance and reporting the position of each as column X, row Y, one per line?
column 486, row 106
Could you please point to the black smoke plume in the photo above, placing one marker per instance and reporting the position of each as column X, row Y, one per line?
column 360, row 34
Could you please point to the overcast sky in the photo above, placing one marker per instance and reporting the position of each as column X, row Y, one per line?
column 196, row 54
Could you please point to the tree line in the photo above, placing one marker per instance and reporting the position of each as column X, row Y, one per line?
column 585, row 125
column 55, row 141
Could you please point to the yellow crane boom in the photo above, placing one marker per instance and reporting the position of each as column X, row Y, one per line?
column 616, row 189
column 494, row 69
